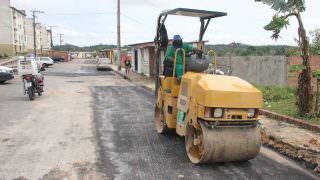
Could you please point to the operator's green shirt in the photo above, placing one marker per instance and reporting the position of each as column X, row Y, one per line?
column 179, row 62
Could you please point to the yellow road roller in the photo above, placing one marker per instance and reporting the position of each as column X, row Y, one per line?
column 216, row 114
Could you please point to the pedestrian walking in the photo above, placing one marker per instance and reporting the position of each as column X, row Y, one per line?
column 127, row 66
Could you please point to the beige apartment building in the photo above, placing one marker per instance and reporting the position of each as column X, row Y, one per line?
column 16, row 32
column 29, row 35
column 12, row 29
column 38, row 38
column 43, row 37
column 45, row 40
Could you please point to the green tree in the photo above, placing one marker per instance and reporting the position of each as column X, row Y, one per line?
column 315, row 44
column 251, row 50
column 286, row 9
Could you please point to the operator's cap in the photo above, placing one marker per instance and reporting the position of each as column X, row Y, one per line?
column 177, row 37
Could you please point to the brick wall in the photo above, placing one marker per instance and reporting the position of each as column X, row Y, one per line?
column 296, row 60
column 63, row 54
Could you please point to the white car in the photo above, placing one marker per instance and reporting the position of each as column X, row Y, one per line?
column 103, row 64
column 45, row 61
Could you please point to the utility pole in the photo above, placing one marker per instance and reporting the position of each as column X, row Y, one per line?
column 34, row 12
column 60, row 37
column 231, row 54
column 51, row 34
column 119, row 38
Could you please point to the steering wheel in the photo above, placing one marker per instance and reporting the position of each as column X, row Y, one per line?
column 196, row 51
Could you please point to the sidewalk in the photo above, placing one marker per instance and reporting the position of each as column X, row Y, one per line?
column 288, row 139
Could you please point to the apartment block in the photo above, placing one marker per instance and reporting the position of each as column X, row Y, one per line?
column 43, row 37
column 17, row 34
column 12, row 29
column 29, row 35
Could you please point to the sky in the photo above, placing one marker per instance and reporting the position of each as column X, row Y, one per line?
column 90, row 22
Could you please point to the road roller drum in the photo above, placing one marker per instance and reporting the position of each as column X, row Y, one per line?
column 221, row 144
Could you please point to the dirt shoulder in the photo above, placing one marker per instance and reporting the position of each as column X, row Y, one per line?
column 298, row 143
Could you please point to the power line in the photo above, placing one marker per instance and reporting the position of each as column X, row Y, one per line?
column 118, row 35
column 76, row 14
column 60, row 35
column 135, row 20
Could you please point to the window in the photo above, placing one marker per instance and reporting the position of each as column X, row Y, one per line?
column 44, row 59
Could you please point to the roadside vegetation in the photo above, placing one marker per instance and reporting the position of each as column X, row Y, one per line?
column 315, row 42
column 70, row 47
column 280, row 20
column 3, row 56
column 239, row 49
column 282, row 100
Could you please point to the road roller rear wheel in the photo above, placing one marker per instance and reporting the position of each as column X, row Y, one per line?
column 194, row 143
column 160, row 123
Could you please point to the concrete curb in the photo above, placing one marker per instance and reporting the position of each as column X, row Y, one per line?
column 298, row 122
column 121, row 75
column 128, row 79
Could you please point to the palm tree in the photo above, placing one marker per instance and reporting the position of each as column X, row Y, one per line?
column 286, row 9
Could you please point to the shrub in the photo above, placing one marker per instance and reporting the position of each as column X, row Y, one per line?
column 276, row 93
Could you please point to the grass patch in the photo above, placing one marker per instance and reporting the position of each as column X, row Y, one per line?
column 282, row 100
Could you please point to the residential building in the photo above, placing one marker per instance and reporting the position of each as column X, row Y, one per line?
column 38, row 38
column 45, row 40
column 49, row 42
column 19, row 30
column 12, row 29
column 43, row 37
column 29, row 35
column 143, row 58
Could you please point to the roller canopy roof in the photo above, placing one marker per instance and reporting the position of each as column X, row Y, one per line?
column 194, row 13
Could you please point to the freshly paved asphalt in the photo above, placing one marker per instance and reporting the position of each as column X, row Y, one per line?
column 130, row 148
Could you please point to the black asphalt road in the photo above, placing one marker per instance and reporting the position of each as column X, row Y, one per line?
column 130, row 148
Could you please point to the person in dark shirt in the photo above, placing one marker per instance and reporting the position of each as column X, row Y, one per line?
column 127, row 64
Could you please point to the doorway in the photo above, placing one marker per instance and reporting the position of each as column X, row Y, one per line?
column 136, row 60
